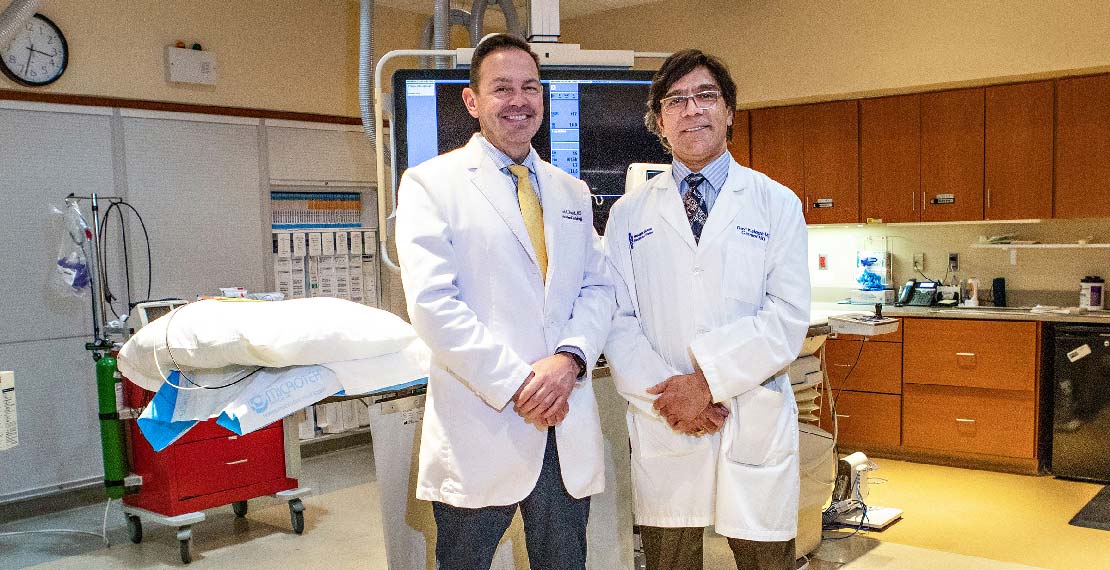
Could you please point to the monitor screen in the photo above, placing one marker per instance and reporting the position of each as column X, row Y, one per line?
column 593, row 125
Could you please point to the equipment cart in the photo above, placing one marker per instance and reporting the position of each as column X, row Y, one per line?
column 209, row 467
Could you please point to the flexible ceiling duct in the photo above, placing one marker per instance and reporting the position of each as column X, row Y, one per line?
column 14, row 16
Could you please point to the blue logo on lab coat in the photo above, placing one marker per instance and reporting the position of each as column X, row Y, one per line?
column 754, row 234
column 633, row 238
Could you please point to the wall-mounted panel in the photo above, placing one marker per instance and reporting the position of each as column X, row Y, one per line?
column 44, row 156
column 198, row 188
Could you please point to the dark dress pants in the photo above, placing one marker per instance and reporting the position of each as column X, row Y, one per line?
column 681, row 549
column 554, row 525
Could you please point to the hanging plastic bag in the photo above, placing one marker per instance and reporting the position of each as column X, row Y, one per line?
column 72, row 274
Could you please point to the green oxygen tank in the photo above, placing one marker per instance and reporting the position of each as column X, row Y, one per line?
column 111, row 428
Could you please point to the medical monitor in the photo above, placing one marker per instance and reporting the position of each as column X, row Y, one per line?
column 593, row 124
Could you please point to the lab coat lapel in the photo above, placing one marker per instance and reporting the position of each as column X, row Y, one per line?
column 728, row 204
column 669, row 206
column 485, row 176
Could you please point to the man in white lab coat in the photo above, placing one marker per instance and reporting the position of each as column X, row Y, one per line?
column 712, row 303
column 507, row 284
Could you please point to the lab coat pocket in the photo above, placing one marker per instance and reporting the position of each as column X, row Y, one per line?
column 744, row 273
column 754, row 422
column 652, row 437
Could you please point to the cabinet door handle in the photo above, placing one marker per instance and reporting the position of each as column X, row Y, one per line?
column 843, row 416
column 964, row 421
column 965, row 354
column 236, row 462
column 842, row 365
column 988, row 198
column 913, row 201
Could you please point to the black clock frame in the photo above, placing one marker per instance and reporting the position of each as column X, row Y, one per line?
column 65, row 59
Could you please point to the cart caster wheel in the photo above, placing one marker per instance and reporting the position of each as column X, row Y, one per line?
column 186, row 551
column 185, row 540
column 296, row 515
column 240, row 508
column 135, row 529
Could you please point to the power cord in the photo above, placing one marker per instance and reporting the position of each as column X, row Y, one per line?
column 830, row 515
column 177, row 366
column 103, row 259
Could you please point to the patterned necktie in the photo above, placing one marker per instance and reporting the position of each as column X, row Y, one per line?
column 533, row 215
column 695, row 205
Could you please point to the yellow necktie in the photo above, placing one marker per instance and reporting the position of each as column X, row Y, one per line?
column 533, row 215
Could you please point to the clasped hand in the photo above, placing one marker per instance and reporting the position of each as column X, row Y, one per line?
column 543, row 398
column 687, row 404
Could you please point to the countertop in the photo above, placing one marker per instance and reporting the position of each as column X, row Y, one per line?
column 823, row 310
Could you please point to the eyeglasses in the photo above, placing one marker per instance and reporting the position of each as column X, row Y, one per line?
column 703, row 100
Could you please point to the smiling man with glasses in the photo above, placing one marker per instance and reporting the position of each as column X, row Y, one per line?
column 712, row 304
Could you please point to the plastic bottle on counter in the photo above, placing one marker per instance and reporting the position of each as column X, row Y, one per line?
column 1090, row 293
column 971, row 293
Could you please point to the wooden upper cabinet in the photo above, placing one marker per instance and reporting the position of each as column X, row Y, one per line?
column 1083, row 147
column 831, row 162
column 776, row 141
column 890, row 158
column 1019, row 151
column 952, row 155
column 739, row 146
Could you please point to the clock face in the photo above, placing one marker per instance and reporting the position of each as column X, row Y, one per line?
column 37, row 55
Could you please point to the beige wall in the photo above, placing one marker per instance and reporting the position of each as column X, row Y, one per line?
column 799, row 50
column 288, row 55
column 785, row 51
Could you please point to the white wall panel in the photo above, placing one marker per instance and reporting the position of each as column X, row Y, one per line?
column 59, row 433
column 198, row 189
column 320, row 154
column 43, row 157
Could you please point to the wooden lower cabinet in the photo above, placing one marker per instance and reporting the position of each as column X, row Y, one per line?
column 969, row 420
column 864, row 365
column 951, row 391
column 865, row 420
column 971, row 391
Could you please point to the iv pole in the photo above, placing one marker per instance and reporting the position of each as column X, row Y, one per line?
column 108, row 393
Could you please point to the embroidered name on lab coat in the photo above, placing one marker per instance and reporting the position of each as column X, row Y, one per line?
column 755, row 234
column 633, row 238
column 572, row 215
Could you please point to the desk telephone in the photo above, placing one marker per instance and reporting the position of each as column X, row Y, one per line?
column 918, row 293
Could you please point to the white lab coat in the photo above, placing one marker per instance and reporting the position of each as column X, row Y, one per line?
column 738, row 303
column 475, row 297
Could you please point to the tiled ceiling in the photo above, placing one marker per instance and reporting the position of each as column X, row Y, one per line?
column 568, row 9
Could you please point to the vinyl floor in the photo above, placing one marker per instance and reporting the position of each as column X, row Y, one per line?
column 955, row 519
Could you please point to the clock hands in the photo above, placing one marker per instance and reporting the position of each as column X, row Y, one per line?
column 30, row 52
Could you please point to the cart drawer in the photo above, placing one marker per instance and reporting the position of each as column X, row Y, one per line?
column 210, row 430
column 214, row 465
column 969, row 420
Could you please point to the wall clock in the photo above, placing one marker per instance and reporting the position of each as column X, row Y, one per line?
column 37, row 55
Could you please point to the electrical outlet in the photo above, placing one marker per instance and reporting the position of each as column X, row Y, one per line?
column 919, row 261
column 953, row 262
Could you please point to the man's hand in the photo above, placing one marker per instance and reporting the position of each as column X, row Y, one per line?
column 542, row 399
column 711, row 420
column 682, row 398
